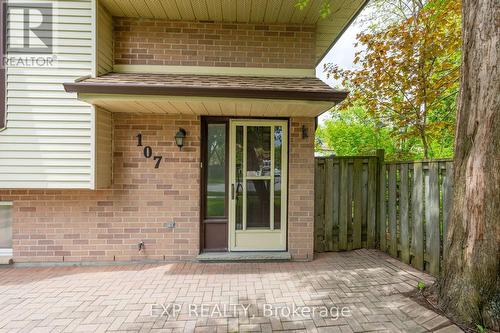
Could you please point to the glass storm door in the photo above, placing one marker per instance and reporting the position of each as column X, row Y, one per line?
column 258, row 178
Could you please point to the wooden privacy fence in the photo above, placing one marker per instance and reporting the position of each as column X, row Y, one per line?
column 416, row 212
column 399, row 207
column 345, row 203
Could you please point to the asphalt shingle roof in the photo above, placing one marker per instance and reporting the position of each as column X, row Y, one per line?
column 306, row 88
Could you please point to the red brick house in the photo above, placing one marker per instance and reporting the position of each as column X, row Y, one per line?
column 166, row 129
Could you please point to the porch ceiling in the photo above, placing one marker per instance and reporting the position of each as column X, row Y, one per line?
column 211, row 106
column 255, row 11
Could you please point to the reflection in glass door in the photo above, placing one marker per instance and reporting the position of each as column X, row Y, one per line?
column 258, row 184
column 214, row 184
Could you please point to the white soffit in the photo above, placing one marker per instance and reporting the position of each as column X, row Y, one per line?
column 210, row 106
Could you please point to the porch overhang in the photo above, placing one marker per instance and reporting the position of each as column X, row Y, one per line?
column 208, row 94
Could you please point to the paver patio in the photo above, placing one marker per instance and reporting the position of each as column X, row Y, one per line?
column 133, row 297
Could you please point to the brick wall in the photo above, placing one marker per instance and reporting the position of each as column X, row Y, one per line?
column 159, row 42
column 301, row 190
column 107, row 225
column 103, row 225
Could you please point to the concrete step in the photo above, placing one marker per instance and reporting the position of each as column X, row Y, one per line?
column 243, row 256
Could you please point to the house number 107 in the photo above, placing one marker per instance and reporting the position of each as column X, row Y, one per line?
column 148, row 151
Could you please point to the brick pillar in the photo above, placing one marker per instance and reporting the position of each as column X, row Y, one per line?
column 301, row 190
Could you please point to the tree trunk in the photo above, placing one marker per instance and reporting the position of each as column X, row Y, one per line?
column 425, row 145
column 470, row 282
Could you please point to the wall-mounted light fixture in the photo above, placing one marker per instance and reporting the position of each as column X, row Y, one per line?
column 179, row 137
column 304, row 132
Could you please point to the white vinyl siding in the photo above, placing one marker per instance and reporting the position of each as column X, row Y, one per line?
column 104, row 149
column 103, row 167
column 105, row 52
column 47, row 142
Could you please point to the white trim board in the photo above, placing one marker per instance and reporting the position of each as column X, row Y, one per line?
column 205, row 70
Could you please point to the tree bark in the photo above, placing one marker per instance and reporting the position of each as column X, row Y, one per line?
column 470, row 282
column 425, row 145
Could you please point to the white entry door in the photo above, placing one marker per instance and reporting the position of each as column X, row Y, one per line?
column 258, row 178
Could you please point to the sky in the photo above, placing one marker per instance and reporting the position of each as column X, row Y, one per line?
column 342, row 54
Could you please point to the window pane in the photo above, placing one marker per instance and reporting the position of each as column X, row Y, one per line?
column 5, row 227
column 239, row 178
column 258, row 199
column 258, row 151
column 277, row 205
column 278, row 146
column 216, row 170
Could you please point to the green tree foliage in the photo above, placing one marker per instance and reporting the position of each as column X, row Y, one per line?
column 353, row 131
column 406, row 79
column 381, row 14
column 408, row 74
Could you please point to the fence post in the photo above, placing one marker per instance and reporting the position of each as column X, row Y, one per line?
column 344, row 205
column 447, row 196
column 328, row 186
column 404, row 210
column 432, row 237
column 319, row 206
column 417, row 212
column 392, row 209
column 371, row 217
column 381, row 225
column 357, row 198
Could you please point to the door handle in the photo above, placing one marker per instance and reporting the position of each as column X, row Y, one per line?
column 232, row 191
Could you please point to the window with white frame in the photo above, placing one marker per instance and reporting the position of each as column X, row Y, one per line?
column 5, row 228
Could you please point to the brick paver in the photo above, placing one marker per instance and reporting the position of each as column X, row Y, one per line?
column 220, row 297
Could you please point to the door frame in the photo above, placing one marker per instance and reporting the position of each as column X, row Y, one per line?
column 204, row 220
column 284, row 123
